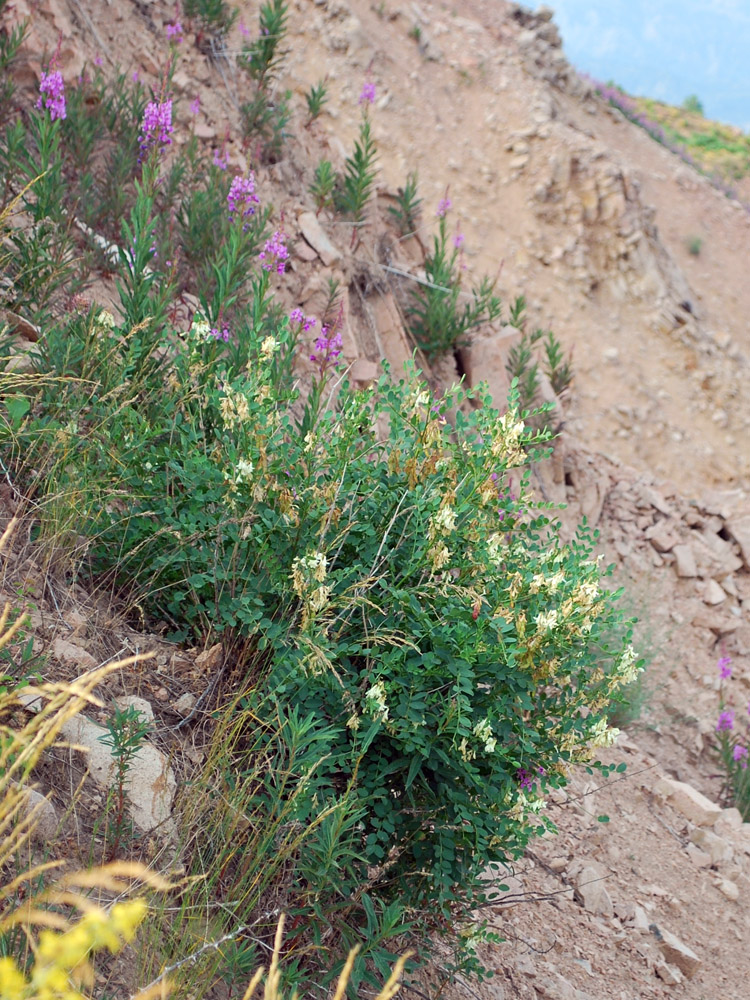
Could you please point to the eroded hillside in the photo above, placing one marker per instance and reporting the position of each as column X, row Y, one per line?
column 582, row 213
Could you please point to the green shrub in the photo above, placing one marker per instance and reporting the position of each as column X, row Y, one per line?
column 215, row 18
column 693, row 103
column 438, row 315
column 323, row 184
column 417, row 657
column 262, row 57
column 404, row 593
column 358, row 179
column 316, row 97
column 407, row 210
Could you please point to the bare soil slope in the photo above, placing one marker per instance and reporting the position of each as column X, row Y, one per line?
column 586, row 216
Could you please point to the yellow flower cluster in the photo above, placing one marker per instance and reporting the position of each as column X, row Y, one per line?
column 506, row 442
column 602, row 735
column 376, row 703
column 483, row 732
column 308, row 579
column 61, row 961
column 442, row 523
column 105, row 320
column 268, row 348
column 234, row 408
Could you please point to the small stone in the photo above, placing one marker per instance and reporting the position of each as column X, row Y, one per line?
column 73, row 656
column 677, row 953
column 312, row 231
column 78, row 622
column 713, row 593
column 662, row 537
column 304, row 251
column 624, row 910
column 45, row 817
column 699, row 858
column 20, row 326
column 739, row 529
column 685, row 561
column 641, row 921
column 716, row 847
column 591, row 890
column 729, row 889
column 203, row 130
column 363, row 371
column 729, row 824
column 687, row 800
column 141, row 706
column 668, row 974
column 716, row 622
column 185, row 704
column 525, row 965
column 210, row 658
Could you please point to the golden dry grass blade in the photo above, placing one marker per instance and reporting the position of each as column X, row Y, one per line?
column 272, row 983
column 160, row 990
column 345, row 973
column 14, row 202
column 9, row 888
column 391, row 988
column 8, row 634
column 8, row 532
column 29, row 915
column 253, row 983
column 116, row 877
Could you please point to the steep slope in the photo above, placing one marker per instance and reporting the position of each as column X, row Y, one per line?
column 554, row 193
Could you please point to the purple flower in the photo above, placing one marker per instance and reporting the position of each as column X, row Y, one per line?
column 368, row 94
column 725, row 721
column 327, row 350
column 242, row 197
column 98, row 61
column 174, row 32
column 52, row 94
column 244, row 31
column 274, row 254
column 221, row 160
column 297, row 316
column 195, row 106
column 220, row 334
column 458, row 240
column 135, row 76
column 740, row 755
column 524, row 778
column 156, row 128
column 724, row 669
column 443, row 208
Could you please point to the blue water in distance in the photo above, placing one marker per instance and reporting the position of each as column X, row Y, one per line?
column 664, row 49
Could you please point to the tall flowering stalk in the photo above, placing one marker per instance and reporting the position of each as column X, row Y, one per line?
column 274, row 255
column 156, row 128
column 52, row 94
column 328, row 348
column 732, row 746
column 242, row 199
